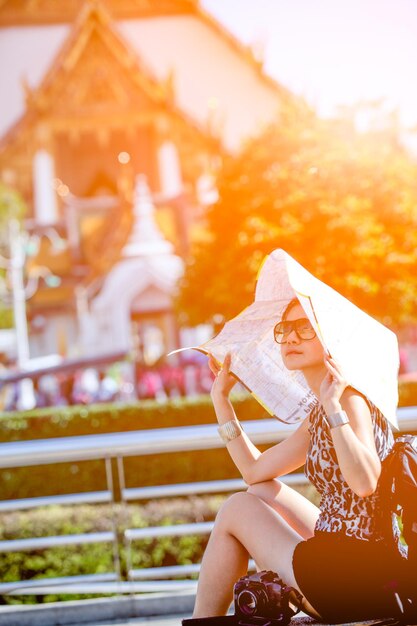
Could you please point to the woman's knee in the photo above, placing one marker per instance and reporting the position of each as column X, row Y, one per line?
column 232, row 509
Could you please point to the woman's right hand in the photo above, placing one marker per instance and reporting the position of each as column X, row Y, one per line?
column 224, row 381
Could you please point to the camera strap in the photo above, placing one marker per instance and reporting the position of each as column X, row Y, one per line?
column 295, row 599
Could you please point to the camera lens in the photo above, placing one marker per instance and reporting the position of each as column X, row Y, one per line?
column 247, row 602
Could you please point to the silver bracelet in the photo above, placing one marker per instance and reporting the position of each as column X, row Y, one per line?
column 337, row 419
column 229, row 431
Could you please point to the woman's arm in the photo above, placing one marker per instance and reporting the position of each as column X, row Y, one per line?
column 354, row 442
column 256, row 466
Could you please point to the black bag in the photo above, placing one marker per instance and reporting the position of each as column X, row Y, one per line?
column 398, row 489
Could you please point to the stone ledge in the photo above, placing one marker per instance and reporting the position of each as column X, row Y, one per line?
column 117, row 608
column 100, row 609
column 303, row 620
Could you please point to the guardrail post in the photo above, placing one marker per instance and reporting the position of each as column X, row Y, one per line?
column 117, row 538
column 122, row 539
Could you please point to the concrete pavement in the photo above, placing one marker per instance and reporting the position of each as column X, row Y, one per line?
column 144, row 608
column 169, row 620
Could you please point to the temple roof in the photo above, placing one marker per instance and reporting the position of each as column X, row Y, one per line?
column 198, row 54
column 96, row 78
column 95, row 81
column 117, row 64
column 42, row 12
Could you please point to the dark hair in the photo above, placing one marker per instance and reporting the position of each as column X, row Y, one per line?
column 289, row 306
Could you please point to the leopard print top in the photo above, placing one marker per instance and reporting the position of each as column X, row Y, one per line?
column 341, row 509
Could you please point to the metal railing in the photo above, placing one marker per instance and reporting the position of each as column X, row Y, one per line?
column 118, row 446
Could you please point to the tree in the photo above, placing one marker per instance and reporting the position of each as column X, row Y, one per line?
column 12, row 206
column 341, row 202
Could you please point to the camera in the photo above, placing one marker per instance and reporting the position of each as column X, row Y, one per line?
column 264, row 595
column 262, row 599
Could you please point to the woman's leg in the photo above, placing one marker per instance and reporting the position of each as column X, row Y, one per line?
column 295, row 509
column 248, row 525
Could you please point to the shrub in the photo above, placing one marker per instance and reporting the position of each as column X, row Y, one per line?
column 98, row 558
column 408, row 393
column 25, row 482
column 155, row 469
column 108, row 418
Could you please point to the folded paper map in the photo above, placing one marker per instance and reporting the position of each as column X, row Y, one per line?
column 366, row 350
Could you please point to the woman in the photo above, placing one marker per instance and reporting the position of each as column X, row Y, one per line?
column 334, row 555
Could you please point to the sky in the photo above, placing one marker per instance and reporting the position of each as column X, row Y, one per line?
column 333, row 52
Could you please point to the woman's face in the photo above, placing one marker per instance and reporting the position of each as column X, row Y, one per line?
column 300, row 354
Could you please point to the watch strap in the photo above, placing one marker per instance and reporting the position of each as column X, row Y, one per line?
column 337, row 419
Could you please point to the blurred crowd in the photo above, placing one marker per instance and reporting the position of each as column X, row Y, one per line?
column 161, row 381
column 120, row 382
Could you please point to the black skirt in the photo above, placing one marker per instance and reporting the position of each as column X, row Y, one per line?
column 347, row 579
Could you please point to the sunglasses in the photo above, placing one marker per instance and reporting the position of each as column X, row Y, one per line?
column 302, row 327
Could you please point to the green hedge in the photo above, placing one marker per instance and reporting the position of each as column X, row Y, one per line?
column 407, row 393
column 158, row 469
column 63, row 478
column 110, row 418
column 106, row 418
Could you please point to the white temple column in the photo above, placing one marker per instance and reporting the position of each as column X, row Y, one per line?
column 169, row 169
column 46, row 210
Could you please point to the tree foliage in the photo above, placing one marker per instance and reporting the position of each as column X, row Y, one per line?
column 12, row 206
column 341, row 202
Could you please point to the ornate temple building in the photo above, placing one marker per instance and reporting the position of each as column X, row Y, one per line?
column 114, row 118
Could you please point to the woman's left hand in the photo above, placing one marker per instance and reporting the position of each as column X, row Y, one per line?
column 332, row 386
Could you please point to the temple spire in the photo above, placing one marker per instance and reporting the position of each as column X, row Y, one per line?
column 146, row 237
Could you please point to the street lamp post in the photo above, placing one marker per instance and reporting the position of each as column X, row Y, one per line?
column 26, row 395
column 15, row 266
